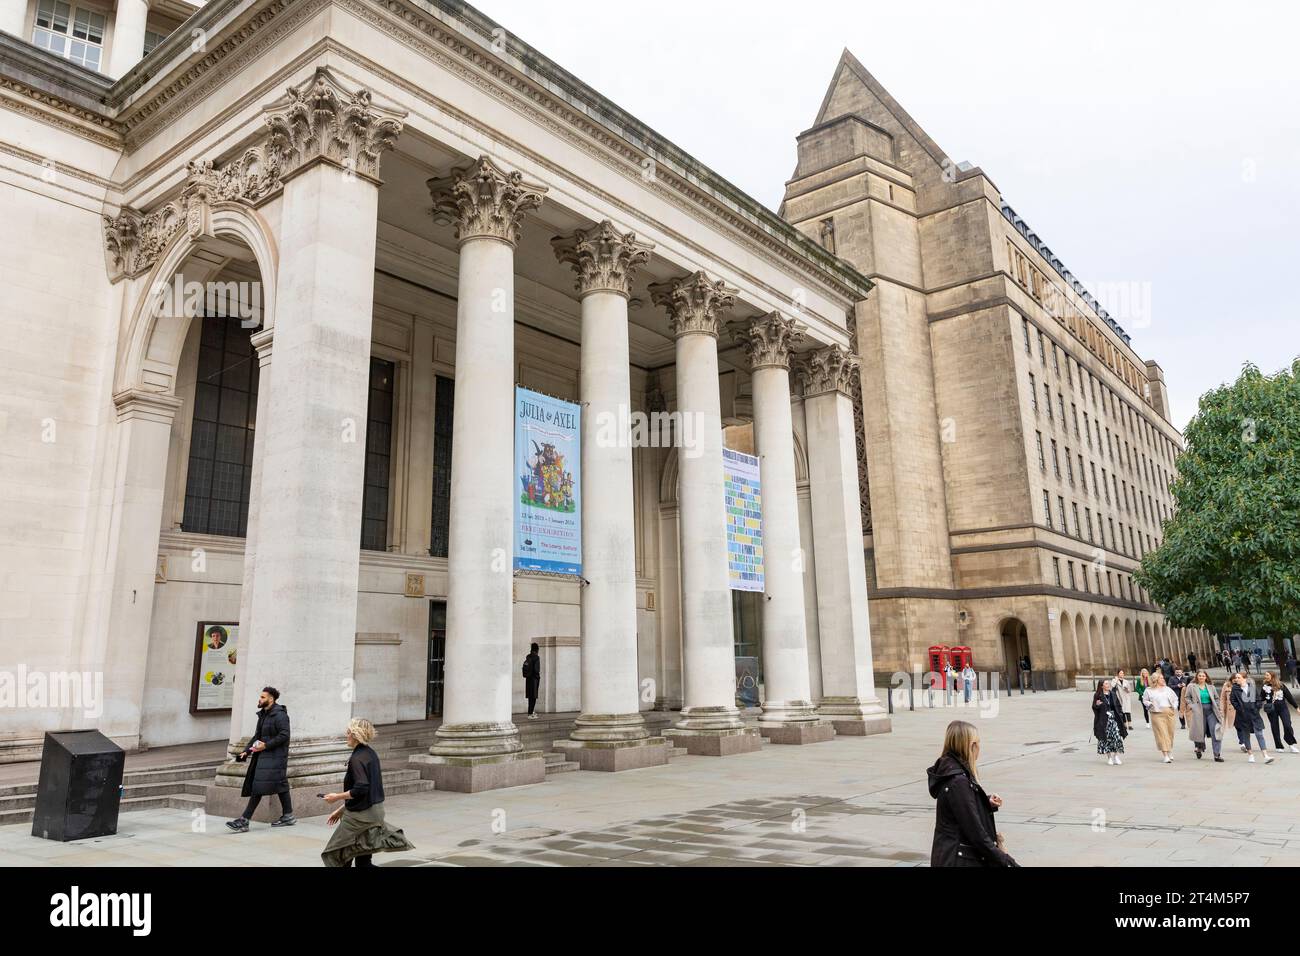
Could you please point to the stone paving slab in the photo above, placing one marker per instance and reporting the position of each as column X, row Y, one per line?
column 855, row 801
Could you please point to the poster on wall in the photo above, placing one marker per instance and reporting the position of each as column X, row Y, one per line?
column 213, row 688
column 744, row 521
column 548, row 463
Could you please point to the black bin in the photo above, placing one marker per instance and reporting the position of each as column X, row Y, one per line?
column 80, row 791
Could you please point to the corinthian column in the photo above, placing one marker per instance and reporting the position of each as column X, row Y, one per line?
column 310, row 441
column 610, row 734
column 710, row 723
column 788, row 713
column 848, row 678
column 478, row 745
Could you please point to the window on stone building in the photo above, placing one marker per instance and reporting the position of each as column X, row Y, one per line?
column 1029, row 349
column 1047, row 401
column 221, row 436
column 1056, row 570
column 1060, row 505
column 1074, row 508
column 74, row 33
column 1083, row 475
column 443, row 416
column 1060, row 401
column 379, row 455
column 1056, row 460
column 1069, row 567
column 1033, row 393
column 1069, row 465
column 1087, row 512
column 1047, row 507
column 1042, row 347
column 1056, row 359
column 151, row 40
column 1042, row 462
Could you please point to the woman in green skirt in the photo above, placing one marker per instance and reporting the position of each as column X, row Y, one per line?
column 361, row 829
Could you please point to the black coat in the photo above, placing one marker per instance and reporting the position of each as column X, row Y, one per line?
column 532, row 675
column 268, row 771
column 1102, row 704
column 964, row 833
column 1247, row 718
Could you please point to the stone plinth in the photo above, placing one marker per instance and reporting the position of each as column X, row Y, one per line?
column 715, row 743
column 476, row 774
column 612, row 756
column 805, row 732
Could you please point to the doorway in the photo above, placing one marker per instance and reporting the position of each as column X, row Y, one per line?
column 437, row 658
column 1015, row 645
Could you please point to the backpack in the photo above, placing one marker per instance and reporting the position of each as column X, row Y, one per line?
column 525, row 667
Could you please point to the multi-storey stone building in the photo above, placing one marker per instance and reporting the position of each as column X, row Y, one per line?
column 1016, row 451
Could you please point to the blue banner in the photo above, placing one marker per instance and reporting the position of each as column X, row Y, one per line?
column 548, row 469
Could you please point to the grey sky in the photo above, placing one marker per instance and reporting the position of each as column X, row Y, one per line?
column 1146, row 142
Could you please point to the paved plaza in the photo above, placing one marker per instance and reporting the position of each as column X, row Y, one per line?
column 850, row 802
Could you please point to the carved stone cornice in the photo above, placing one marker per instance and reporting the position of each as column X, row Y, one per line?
column 604, row 259
column 832, row 369
column 134, row 240
column 694, row 303
column 484, row 201
column 321, row 121
column 768, row 340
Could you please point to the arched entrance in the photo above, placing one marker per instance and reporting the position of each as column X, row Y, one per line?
column 1015, row 645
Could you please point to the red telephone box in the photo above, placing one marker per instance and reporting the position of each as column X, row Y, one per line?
column 938, row 664
column 961, row 658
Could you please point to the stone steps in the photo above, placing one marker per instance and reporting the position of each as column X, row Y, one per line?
column 556, row 763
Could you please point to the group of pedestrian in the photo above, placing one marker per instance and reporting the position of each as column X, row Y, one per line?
column 361, row 831
column 1166, row 695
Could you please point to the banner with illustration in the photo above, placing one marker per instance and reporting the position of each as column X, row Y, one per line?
column 212, row 689
column 744, row 521
column 548, row 469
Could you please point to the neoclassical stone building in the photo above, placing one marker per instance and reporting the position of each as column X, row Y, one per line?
column 407, row 212
column 1015, row 451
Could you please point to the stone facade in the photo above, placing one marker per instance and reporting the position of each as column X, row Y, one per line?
column 971, row 318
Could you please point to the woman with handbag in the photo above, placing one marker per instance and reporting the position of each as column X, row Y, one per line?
column 1278, row 704
column 1108, row 723
column 964, row 832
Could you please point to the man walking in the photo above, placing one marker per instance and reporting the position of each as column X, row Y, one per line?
column 268, row 770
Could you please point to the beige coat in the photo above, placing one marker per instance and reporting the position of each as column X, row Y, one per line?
column 1195, row 717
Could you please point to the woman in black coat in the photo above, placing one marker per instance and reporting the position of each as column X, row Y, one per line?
column 964, row 832
column 1108, row 724
column 268, row 767
column 1247, row 719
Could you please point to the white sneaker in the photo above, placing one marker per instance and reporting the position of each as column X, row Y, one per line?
column 1268, row 758
column 1111, row 760
column 1118, row 762
column 1294, row 750
column 1168, row 759
column 1250, row 759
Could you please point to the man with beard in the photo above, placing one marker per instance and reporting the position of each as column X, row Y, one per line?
column 268, row 770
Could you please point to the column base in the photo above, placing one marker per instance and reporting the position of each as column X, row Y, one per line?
column 615, row 756
column 715, row 743
column 803, row 732
column 710, row 719
column 856, row 716
column 468, row 774
column 488, row 739
column 784, row 712
column 609, row 728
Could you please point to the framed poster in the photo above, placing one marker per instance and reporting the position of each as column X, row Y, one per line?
column 548, row 462
column 212, row 687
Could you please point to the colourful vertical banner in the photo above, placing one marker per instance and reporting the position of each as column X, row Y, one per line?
column 548, row 466
column 744, row 521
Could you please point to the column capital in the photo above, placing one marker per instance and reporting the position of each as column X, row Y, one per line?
column 694, row 303
column 768, row 340
column 604, row 259
column 322, row 121
column 832, row 369
column 484, row 201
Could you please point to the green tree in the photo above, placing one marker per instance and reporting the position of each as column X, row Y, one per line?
column 1230, row 560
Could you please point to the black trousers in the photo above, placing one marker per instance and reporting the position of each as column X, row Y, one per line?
column 1281, row 714
column 286, row 805
column 532, row 703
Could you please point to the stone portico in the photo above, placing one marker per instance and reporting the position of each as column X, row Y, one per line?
column 431, row 214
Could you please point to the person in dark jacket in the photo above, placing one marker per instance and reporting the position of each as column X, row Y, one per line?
column 267, row 754
column 1278, row 703
column 1245, row 701
column 361, row 831
column 532, row 679
column 1108, row 723
column 964, row 832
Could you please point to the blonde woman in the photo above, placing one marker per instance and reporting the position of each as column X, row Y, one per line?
column 1278, row 704
column 1162, row 704
column 964, row 832
column 361, row 829
column 1124, row 694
